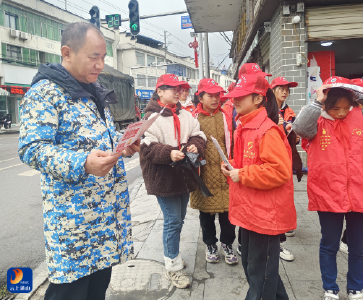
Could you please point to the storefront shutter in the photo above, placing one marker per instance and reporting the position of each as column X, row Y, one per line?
column 334, row 22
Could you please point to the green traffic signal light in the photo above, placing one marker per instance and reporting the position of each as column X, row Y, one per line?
column 134, row 17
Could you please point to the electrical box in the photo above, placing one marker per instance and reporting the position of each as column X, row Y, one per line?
column 286, row 10
column 298, row 59
column 300, row 7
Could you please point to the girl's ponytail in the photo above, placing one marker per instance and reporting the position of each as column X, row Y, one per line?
column 196, row 98
column 271, row 106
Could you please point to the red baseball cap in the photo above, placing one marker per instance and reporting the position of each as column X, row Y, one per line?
column 249, row 84
column 337, row 79
column 282, row 81
column 251, row 68
column 171, row 80
column 209, row 85
column 357, row 81
column 230, row 89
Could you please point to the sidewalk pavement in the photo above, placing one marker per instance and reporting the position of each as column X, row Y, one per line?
column 14, row 129
column 144, row 277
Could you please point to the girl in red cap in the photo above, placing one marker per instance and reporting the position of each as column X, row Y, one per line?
column 174, row 132
column 186, row 101
column 281, row 88
column 261, row 188
column 332, row 134
column 214, row 122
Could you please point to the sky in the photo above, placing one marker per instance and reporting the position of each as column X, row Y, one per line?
column 177, row 38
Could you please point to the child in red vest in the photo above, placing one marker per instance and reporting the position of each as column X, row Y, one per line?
column 261, row 186
column 214, row 122
column 332, row 132
column 281, row 88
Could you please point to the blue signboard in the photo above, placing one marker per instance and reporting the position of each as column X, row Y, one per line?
column 186, row 23
column 144, row 94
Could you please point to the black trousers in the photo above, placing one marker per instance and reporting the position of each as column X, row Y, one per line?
column 91, row 287
column 209, row 228
column 260, row 260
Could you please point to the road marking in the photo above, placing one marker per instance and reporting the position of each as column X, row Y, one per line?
column 11, row 167
column 132, row 164
column 29, row 173
column 8, row 159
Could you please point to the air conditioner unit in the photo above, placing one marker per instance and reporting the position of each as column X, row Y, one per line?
column 14, row 33
column 24, row 35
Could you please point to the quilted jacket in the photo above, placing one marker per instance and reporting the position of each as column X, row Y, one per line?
column 87, row 222
column 211, row 172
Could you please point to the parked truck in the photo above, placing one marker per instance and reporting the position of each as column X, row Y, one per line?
column 125, row 111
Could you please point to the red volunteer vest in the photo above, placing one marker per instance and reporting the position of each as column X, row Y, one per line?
column 335, row 177
column 270, row 211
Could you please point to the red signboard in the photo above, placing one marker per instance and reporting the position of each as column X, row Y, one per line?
column 18, row 90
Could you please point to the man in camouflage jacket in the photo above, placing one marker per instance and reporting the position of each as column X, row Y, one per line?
column 67, row 133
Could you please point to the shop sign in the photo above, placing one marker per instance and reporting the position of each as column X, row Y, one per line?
column 144, row 94
column 18, row 90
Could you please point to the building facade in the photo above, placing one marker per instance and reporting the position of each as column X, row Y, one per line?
column 306, row 41
column 30, row 34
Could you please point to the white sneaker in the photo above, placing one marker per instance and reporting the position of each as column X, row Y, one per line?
column 331, row 295
column 286, row 254
column 355, row 295
column 343, row 247
column 178, row 278
column 290, row 233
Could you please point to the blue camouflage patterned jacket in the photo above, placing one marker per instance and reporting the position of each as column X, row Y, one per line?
column 87, row 222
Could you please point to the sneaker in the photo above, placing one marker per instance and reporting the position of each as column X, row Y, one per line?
column 343, row 247
column 355, row 295
column 229, row 255
column 239, row 249
column 286, row 254
column 290, row 233
column 178, row 278
column 331, row 295
column 211, row 254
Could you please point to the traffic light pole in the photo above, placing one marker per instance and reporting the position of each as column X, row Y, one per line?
column 201, row 62
column 206, row 51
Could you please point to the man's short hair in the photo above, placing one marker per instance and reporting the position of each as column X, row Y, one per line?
column 74, row 35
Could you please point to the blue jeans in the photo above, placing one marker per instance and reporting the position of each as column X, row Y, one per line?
column 331, row 230
column 174, row 210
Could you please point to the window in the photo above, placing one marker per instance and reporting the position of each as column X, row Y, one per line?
column 159, row 60
column 13, row 53
column 109, row 49
column 177, row 70
column 141, row 80
column 151, row 82
column 11, row 21
column 140, row 58
column 191, row 73
column 150, row 60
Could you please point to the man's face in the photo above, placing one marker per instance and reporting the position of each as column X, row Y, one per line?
column 89, row 61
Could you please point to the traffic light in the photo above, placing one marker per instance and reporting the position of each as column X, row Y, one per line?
column 134, row 17
column 95, row 16
column 113, row 21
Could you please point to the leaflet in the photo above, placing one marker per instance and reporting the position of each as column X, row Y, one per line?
column 220, row 151
column 133, row 132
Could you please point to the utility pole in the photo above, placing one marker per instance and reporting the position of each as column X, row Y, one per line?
column 66, row 4
column 165, row 44
column 201, row 62
column 206, row 51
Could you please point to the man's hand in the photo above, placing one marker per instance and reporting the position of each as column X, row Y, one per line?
column 234, row 175
column 192, row 149
column 99, row 163
column 131, row 150
column 176, row 155
column 288, row 127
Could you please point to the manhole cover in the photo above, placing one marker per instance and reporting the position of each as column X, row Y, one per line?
column 137, row 280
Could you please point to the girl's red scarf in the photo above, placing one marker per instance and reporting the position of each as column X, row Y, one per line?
column 176, row 120
column 200, row 110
